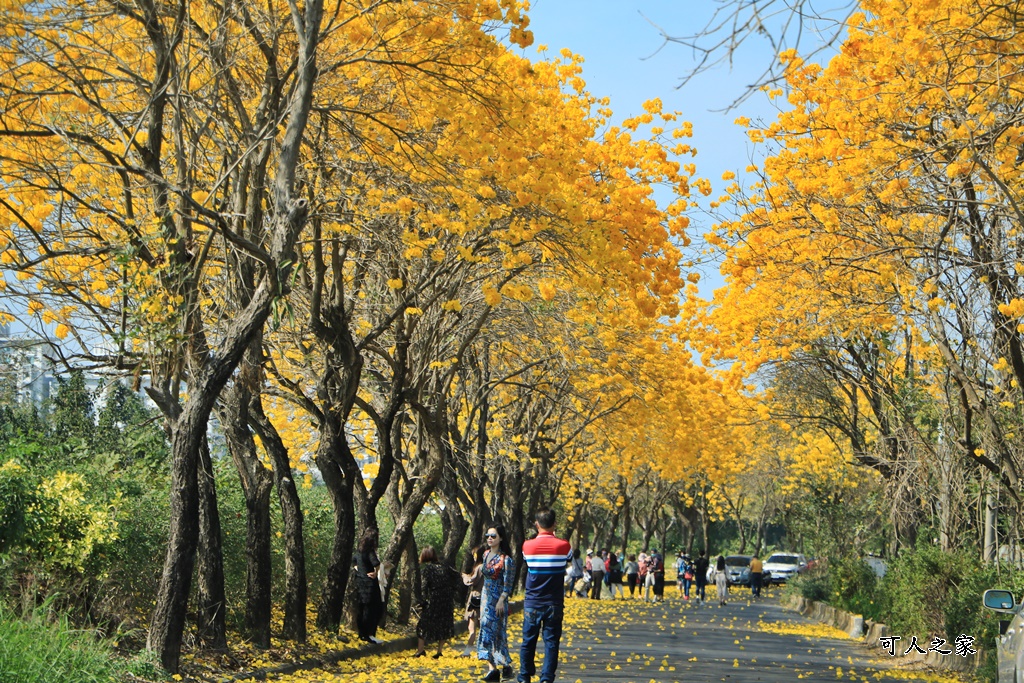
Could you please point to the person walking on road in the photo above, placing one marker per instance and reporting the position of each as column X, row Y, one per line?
column 573, row 574
column 642, row 576
column 499, row 576
column 545, row 558
column 632, row 573
column 700, row 575
column 684, row 575
column 647, row 571
column 657, row 563
column 595, row 565
column 613, row 572
column 756, row 569
column 721, row 581
column 680, row 567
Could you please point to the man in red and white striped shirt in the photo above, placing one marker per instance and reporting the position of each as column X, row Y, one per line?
column 546, row 557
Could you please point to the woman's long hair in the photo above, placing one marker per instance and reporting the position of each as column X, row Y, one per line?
column 720, row 565
column 504, row 546
column 368, row 542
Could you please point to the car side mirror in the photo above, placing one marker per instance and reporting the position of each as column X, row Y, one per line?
column 999, row 600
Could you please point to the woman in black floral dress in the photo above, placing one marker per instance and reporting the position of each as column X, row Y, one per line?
column 437, row 614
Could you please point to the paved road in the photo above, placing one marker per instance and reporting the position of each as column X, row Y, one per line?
column 616, row 641
column 743, row 642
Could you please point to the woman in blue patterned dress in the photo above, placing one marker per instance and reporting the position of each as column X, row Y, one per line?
column 498, row 570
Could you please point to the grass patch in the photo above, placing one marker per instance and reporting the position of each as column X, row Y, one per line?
column 40, row 650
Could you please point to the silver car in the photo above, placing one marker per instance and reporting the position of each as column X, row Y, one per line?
column 737, row 569
column 1009, row 649
column 784, row 566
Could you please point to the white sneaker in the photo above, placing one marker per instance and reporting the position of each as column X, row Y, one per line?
column 375, row 640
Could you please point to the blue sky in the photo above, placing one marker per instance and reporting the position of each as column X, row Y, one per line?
column 626, row 60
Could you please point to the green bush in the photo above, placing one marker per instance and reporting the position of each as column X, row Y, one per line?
column 926, row 592
column 83, row 504
column 852, row 586
column 812, row 586
column 930, row 591
column 53, row 522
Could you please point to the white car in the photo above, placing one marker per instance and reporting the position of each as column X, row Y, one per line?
column 1009, row 650
column 784, row 566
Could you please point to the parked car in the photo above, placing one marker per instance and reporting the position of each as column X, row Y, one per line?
column 784, row 566
column 1009, row 645
column 737, row 569
column 877, row 565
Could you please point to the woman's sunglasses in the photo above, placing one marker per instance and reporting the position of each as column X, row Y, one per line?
column 490, row 535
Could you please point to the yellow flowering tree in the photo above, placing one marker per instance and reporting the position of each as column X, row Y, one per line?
column 878, row 258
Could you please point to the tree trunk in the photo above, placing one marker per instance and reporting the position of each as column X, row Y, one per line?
column 759, row 538
column 612, row 528
column 189, row 428
column 332, row 597
column 257, row 558
column 666, row 526
column 578, row 533
column 455, row 524
column 427, row 477
column 408, row 591
column 295, row 597
column 990, row 520
column 168, row 622
column 210, row 570
column 478, row 513
column 704, row 521
column 410, row 512
column 257, row 485
column 648, row 533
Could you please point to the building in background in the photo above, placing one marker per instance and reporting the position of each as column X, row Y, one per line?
column 25, row 372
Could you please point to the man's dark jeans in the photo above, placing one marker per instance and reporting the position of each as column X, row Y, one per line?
column 534, row 618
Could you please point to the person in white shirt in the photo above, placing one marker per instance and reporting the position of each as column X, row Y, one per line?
column 595, row 565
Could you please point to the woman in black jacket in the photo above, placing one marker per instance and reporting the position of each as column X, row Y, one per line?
column 371, row 605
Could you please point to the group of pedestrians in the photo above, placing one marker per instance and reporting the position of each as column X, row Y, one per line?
column 589, row 578
column 552, row 572
column 644, row 573
column 490, row 584
column 694, row 573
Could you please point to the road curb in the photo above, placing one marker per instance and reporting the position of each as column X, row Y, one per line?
column 871, row 632
column 851, row 624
